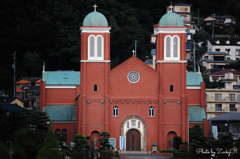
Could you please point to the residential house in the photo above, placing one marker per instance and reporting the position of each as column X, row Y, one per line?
column 3, row 93
column 26, row 87
column 11, row 100
column 228, row 123
column 212, row 60
column 222, row 20
column 183, row 10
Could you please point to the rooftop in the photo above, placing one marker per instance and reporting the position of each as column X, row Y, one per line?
column 194, row 78
column 61, row 77
column 227, row 116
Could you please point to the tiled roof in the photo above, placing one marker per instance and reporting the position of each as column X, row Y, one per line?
column 223, row 71
column 30, row 79
column 223, row 42
column 61, row 77
column 182, row 4
column 228, row 16
column 194, row 78
column 9, row 107
column 217, row 53
column 227, row 116
column 7, row 99
column 149, row 61
column 224, row 61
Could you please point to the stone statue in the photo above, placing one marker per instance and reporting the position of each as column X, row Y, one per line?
column 94, row 146
column 171, row 144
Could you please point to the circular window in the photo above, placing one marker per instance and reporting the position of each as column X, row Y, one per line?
column 133, row 77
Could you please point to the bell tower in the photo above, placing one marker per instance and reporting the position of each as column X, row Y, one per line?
column 95, row 65
column 171, row 64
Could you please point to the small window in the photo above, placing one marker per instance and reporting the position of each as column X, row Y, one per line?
column 151, row 111
column 171, row 88
column 64, row 134
column 57, row 134
column 218, row 96
column 133, row 122
column 115, row 111
column 95, row 88
column 232, row 97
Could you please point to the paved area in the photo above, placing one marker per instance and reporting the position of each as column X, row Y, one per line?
column 145, row 156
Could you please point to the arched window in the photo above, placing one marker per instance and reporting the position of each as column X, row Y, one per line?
column 95, row 88
column 115, row 111
column 92, row 45
column 172, row 48
column 95, row 47
column 151, row 111
column 57, row 134
column 168, row 47
column 171, row 88
column 175, row 46
column 64, row 134
column 99, row 46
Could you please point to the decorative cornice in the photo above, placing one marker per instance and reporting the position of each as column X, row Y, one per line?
column 95, row 30
column 193, row 87
column 95, row 61
column 171, row 61
column 59, row 86
column 171, row 30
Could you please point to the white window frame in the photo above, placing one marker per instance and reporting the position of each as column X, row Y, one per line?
column 171, row 48
column 115, row 111
column 96, row 48
column 151, row 111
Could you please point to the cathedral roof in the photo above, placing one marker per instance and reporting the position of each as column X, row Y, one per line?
column 61, row 77
column 95, row 19
column 171, row 19
column 194, row 79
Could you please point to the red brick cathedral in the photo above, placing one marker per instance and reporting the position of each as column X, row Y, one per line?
column 133, row 100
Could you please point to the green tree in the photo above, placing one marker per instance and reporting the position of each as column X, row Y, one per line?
column 81, row 147
column 196, row 138
column 50, row 149
column 106, row 150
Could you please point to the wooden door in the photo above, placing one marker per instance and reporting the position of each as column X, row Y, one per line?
column 133, row 140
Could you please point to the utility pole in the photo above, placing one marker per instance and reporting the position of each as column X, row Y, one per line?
column 198, row 17
column 194, row 68
column 212, row 29
column 14, row 68
column 136, row 47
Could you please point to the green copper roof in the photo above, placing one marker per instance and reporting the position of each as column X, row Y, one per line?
column 61, row 77
column 61, row 112
column 95, row 19
column 194, row 78
column 171, row 19
column 196, row 114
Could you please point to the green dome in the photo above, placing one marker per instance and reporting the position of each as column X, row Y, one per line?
column 171, row 19
column 95, row 19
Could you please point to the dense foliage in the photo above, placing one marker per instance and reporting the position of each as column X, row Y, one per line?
column 50, row 149
column 24, row 132
column 48, row 31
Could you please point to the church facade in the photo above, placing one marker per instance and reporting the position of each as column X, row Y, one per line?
column 133, row 101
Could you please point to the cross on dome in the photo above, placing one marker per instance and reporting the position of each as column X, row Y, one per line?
column 133, row 52
column 171, row 6
column 95, row 6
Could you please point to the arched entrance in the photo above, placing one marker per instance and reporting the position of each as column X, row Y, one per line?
column 133, row 140
column 134, row 129
column 170, row 135
column 94, row 134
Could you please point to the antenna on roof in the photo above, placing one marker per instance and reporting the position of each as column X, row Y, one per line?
column 95, row 7
column 44, row 67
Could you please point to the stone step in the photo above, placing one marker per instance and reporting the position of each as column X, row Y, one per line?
column 134, row 152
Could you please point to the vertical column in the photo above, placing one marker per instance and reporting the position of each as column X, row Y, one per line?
column 106, row 112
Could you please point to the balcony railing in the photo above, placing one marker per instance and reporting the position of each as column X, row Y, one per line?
column 226, row 99
column 219, row 109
